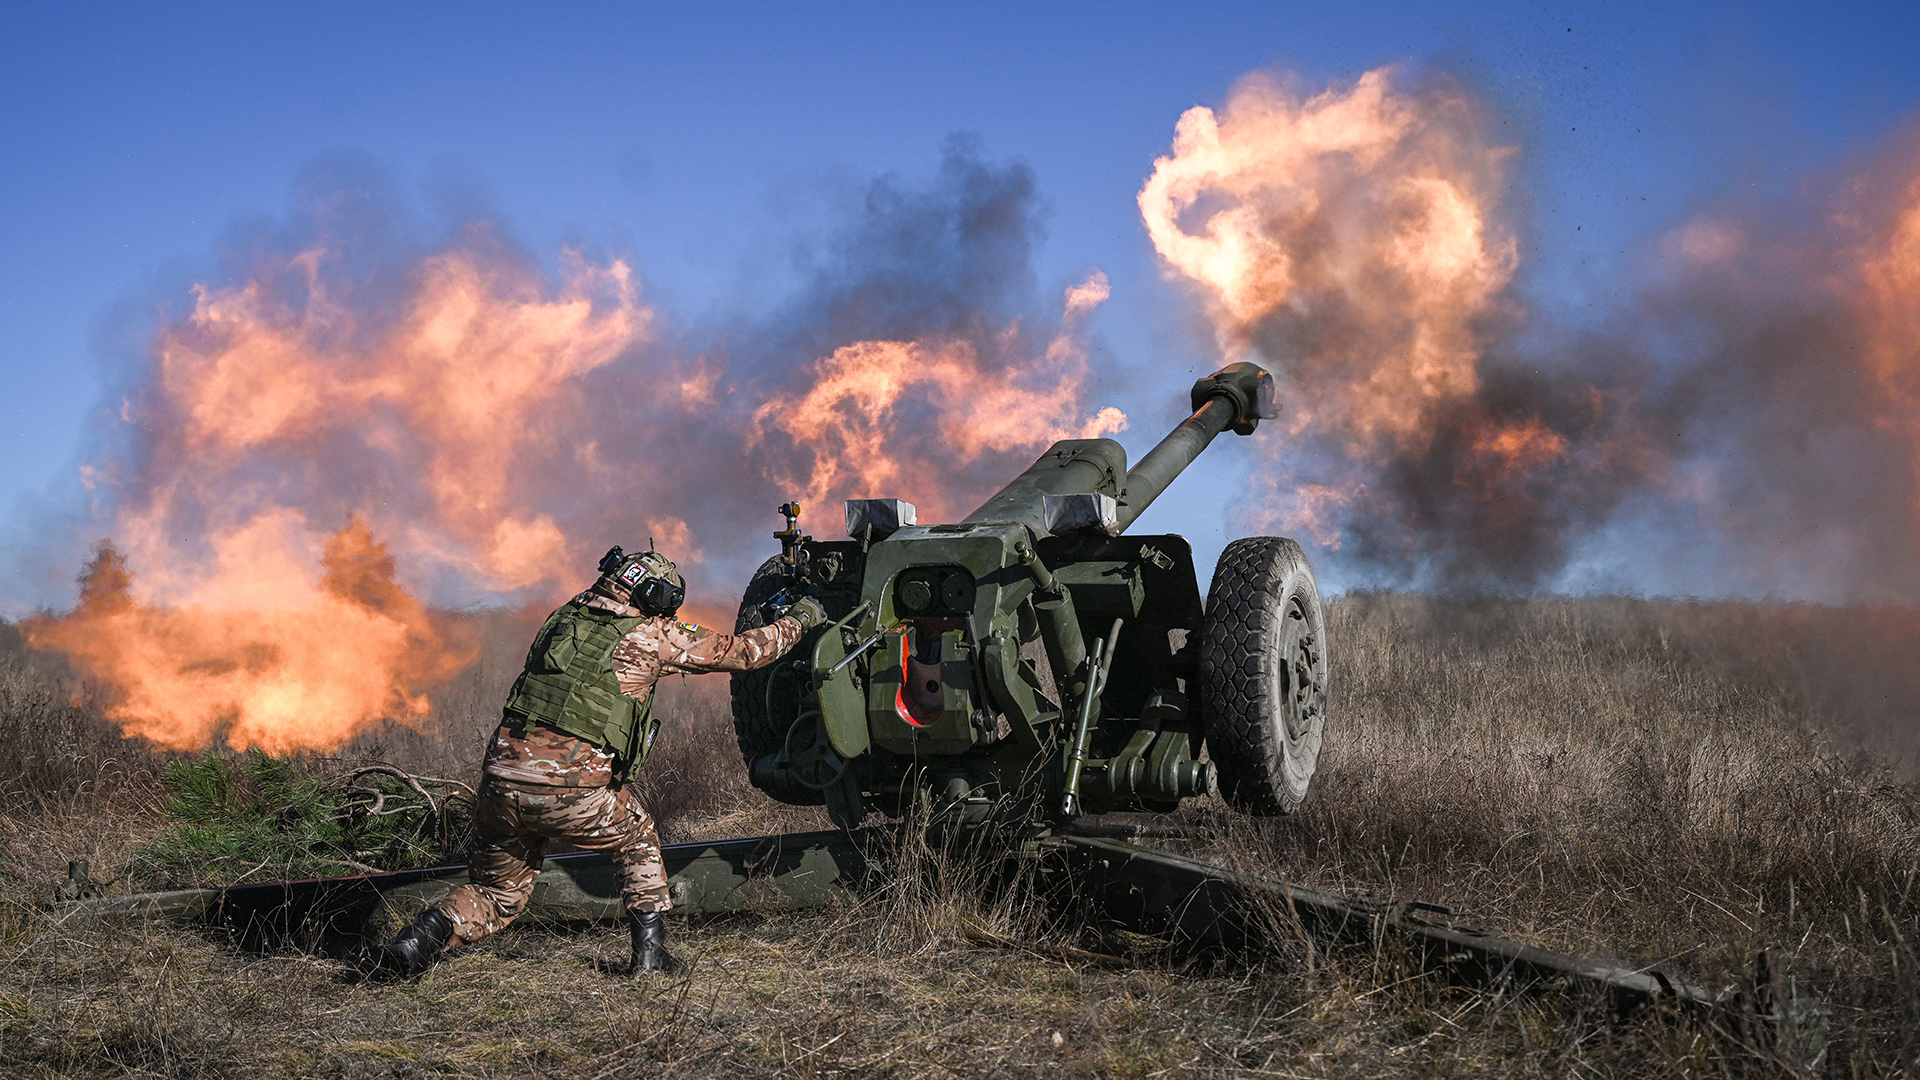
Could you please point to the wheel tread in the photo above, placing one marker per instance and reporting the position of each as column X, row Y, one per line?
column 753, row 728
column 1244, row 605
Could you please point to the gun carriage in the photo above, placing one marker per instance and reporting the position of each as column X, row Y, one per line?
column 1032, row 662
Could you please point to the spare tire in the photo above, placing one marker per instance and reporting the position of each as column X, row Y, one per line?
column 1263, row 674
column 766, row 701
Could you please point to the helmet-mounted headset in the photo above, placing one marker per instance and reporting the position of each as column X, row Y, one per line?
column 648, row 578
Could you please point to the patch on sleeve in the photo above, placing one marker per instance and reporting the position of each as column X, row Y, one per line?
column 690, row 628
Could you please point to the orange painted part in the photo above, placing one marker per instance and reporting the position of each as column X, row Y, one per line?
column 901, row 705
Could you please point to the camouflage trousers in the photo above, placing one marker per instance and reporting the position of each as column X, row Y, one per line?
column 513, row 823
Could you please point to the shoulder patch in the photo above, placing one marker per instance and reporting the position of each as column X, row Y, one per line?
column 689, row 628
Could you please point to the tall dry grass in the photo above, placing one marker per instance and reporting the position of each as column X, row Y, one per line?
column 57, row 753
column 1654, row 781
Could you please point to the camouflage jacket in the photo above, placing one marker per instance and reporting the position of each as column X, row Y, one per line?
column 535, row 754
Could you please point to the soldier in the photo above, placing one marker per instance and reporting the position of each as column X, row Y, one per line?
column 577, row 724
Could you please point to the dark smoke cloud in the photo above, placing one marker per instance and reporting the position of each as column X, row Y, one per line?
column 947, row 259
column 1733, row 408
column 1744, row 423
column 661, row 440
column 1443, row 514
column 953, row 255
column 426, row 405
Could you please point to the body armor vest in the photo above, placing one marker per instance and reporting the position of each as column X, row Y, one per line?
column 568, row 685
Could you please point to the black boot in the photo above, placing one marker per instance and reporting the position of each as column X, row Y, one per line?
column 413, row 949
column 650, row 944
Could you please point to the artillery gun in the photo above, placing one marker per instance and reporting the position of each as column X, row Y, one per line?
column 958, row 679
column 1030, row 663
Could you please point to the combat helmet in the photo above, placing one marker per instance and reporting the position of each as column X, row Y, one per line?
column 646, row 579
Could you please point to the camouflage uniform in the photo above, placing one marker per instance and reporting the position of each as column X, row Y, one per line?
column 539, row 784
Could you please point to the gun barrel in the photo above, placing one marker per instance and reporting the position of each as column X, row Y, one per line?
column 1237, row 396
column 1069, row 466
column 1146, row 480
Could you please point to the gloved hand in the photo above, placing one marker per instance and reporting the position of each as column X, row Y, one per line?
column 808, row 612
column 775, row 606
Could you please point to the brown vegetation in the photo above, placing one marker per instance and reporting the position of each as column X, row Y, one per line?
column 1686, row 783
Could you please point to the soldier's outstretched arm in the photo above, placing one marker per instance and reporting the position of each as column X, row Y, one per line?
column 692, row 649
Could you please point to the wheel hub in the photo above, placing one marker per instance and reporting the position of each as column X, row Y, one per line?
column 1300, row 672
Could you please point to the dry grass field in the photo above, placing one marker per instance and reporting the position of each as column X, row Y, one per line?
column 1661, row 781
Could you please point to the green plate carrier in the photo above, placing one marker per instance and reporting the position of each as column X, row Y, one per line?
column 568, row 685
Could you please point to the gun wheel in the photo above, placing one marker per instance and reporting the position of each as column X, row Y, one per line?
column 1263, row 674
column 767, row 700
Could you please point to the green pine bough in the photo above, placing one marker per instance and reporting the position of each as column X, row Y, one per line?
column 255, row 816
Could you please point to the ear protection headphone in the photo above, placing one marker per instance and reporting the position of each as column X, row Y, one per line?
column 658, row 596
column 653, row 594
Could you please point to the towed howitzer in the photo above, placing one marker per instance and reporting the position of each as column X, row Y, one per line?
column 957, row 678
column 1031, row 662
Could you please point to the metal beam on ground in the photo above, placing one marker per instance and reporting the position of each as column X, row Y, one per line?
column 793, row 870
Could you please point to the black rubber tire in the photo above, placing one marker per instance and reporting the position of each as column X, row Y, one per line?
column 754, row 727
column 1263, row 674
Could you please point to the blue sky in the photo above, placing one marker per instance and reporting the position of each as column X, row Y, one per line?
column 704, row 141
